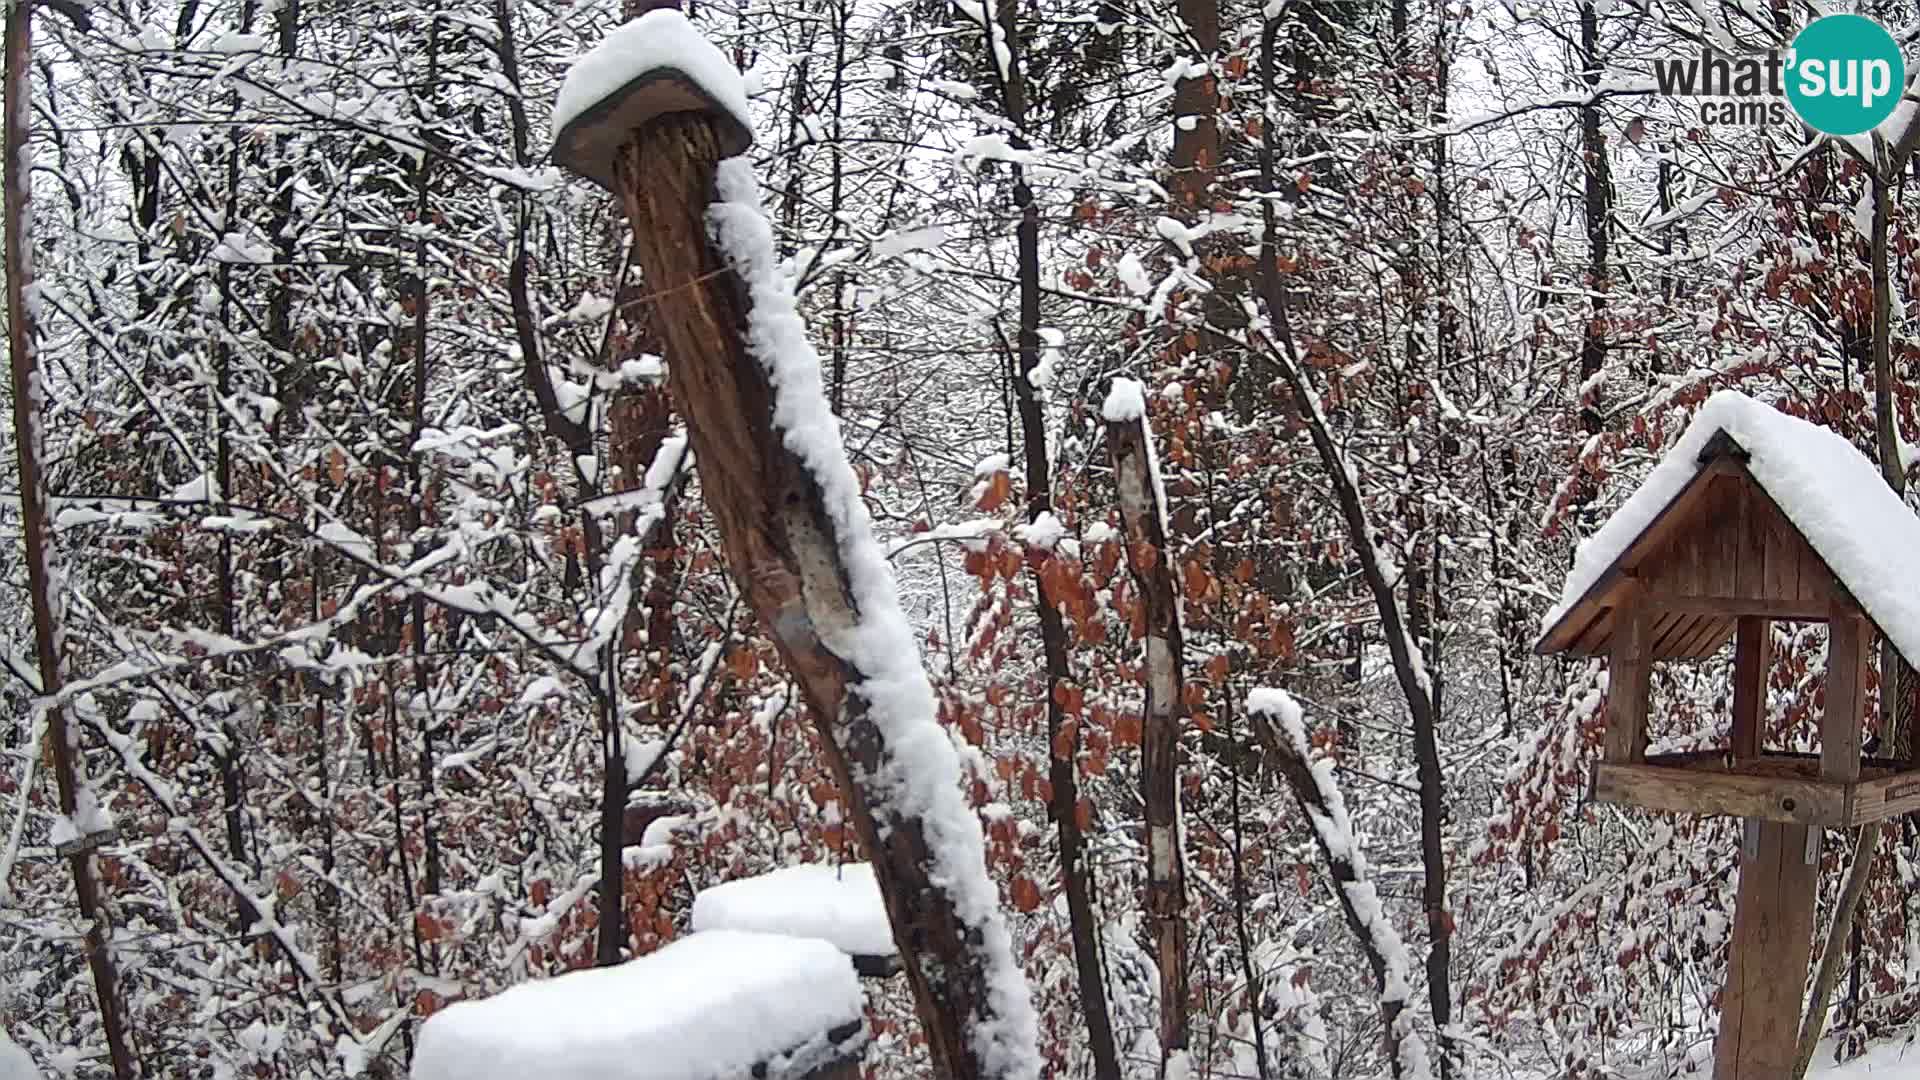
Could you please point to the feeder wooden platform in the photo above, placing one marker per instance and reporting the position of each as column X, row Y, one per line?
column 1787, row 788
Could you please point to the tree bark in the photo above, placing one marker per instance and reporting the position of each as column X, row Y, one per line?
column 1148, row 557
column 1062, row 773
column 63, row 743
column 783, row 549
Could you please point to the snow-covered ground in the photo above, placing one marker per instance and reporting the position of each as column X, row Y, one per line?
column 1888, row 1061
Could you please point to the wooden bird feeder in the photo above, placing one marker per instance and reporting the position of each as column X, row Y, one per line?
column 1732, row 533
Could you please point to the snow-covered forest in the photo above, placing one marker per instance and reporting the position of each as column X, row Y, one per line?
column 1226, row 388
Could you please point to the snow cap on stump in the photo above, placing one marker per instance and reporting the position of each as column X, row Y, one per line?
column 838, row 904
column 650, row 67
column 712, row 1006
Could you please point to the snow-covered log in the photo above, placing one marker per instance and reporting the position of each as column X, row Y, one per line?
column 1281, row 727
column 799, row 541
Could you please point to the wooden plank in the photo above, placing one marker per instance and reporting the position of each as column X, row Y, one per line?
column 1752, row 658
column 1814, row 578
column 1750, row 571
column 1731, row 794
column 1783, row 560
column 1593, row 640
column 1717, row 640
column 1706, row 638
column 1675, row 514
column 1767, row 958
column 1789, row 608
column 1629, row 668
column 1670, row 632
column 1723, row 534
column 1885, row 797
column 1841, row 721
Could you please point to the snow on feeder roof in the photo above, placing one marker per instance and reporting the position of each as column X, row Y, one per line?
column 838, row 904
column 723, row 1005
column 650, row 67
column 1831, row 499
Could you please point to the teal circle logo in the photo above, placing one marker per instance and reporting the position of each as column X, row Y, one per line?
column 1845, row 74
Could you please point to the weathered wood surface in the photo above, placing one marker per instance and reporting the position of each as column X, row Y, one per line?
column 1149, row 559
column 1752, row 659
column 1722, row 549
column 1845, row 711
column 1767, row 958
column 781, row 548
column 1628, row 681
column 1702, row 782
column 1736, row 794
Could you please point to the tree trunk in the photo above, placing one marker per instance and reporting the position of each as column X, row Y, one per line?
column 1135, row 473
column 42, row 573
column 783, row 548
column 1895, row 676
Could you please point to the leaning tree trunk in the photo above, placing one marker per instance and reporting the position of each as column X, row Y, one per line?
column 785, row 549
column 42, row 580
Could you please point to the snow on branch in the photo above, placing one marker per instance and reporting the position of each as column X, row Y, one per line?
column 1281, row 726
column 918, row 777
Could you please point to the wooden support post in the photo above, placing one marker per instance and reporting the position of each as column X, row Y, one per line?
column 1767, row 957
column 1629, row 668
column 1840, row 723
column 782, row 547
column 1752, row 658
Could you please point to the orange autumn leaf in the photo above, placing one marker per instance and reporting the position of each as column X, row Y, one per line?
column 995, row 491
column 1026, row 895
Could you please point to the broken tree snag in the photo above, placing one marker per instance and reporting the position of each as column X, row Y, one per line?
column 1136, row 474
column 799, row 543
column 784, row 548
column 1280, row 725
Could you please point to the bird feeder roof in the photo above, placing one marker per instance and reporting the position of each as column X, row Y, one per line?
column 1765, row 484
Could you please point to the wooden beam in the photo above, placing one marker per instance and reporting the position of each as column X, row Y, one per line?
column 1769, row 607
column 1840, row 723
column 1629, row 667
column 1752, row 657
column 1733, row 794
column 1886, row 797
column 1767, row 958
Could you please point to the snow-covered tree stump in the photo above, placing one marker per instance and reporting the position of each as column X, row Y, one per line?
column 713, row 1006
column 797, row 535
